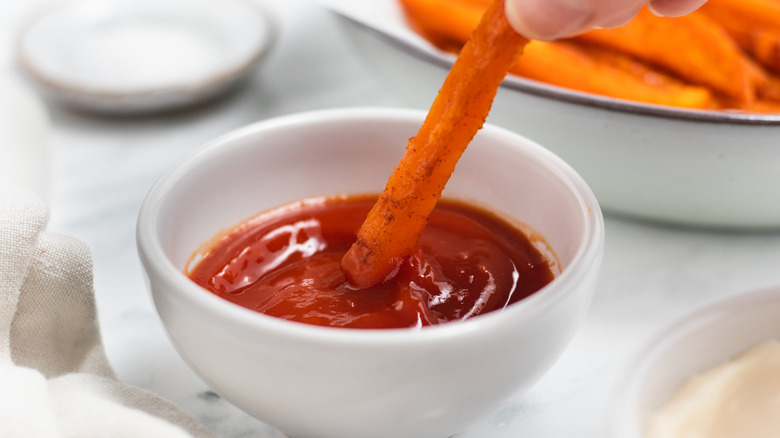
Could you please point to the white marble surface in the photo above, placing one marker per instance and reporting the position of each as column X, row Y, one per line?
column 102, row 168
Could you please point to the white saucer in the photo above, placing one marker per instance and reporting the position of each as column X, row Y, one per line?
column 133, row 56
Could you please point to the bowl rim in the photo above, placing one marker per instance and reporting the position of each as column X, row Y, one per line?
column 430, row 53
column 621, row 414
column 587, row 257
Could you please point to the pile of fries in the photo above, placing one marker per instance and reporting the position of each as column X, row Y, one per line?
column 725, row 56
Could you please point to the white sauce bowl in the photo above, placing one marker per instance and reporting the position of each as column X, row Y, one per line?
column 709, row 336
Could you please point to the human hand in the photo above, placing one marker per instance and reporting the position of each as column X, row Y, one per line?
column 553, row 19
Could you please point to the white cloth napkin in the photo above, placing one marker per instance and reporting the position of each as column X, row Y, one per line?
column 55, row 380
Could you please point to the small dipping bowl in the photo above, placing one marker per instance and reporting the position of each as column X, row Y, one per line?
column 713, row 334
column 311, row 381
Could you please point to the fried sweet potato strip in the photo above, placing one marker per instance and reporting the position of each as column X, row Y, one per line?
column 754, row 25
column 765, row 47
column 608, row 73
column 393, row 226
column 755, row 13
column 693, row 47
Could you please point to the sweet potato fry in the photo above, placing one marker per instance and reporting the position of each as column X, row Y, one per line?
column 758, row 106
column 608, row 73
column 765, row 47
column 692, row 47
column 770, row 89
column 755, row 13
column 753, row 24
column 393, row 226
column 763, row 106
column 765, row 83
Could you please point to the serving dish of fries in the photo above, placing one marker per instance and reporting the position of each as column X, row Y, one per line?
column 699, row 154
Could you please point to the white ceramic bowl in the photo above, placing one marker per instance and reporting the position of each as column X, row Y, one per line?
column 711, row 335
column 313, row 381
column 700, row 168
column 141, row 56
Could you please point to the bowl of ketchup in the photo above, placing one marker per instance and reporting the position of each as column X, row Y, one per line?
column 241, row 244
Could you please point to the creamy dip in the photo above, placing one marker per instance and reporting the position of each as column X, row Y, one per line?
column 737, row 399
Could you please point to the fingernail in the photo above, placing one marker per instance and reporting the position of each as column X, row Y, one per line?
column 673, row 8
column 547, row 19
column 653, row 11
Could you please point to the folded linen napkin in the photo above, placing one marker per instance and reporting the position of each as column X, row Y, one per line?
column 55, row 380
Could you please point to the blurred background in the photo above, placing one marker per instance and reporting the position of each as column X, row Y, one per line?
column 94, row 169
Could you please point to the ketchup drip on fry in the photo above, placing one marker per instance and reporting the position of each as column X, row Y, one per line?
column 286, row 263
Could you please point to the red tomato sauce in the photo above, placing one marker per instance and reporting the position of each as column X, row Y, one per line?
column 286, row 263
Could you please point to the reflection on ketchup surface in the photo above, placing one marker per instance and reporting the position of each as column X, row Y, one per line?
column 286, row 263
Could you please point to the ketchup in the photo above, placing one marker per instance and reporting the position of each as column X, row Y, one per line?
column 286, row 263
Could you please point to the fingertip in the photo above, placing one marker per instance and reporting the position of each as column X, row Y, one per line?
column 618, row 18
column 515, row 14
